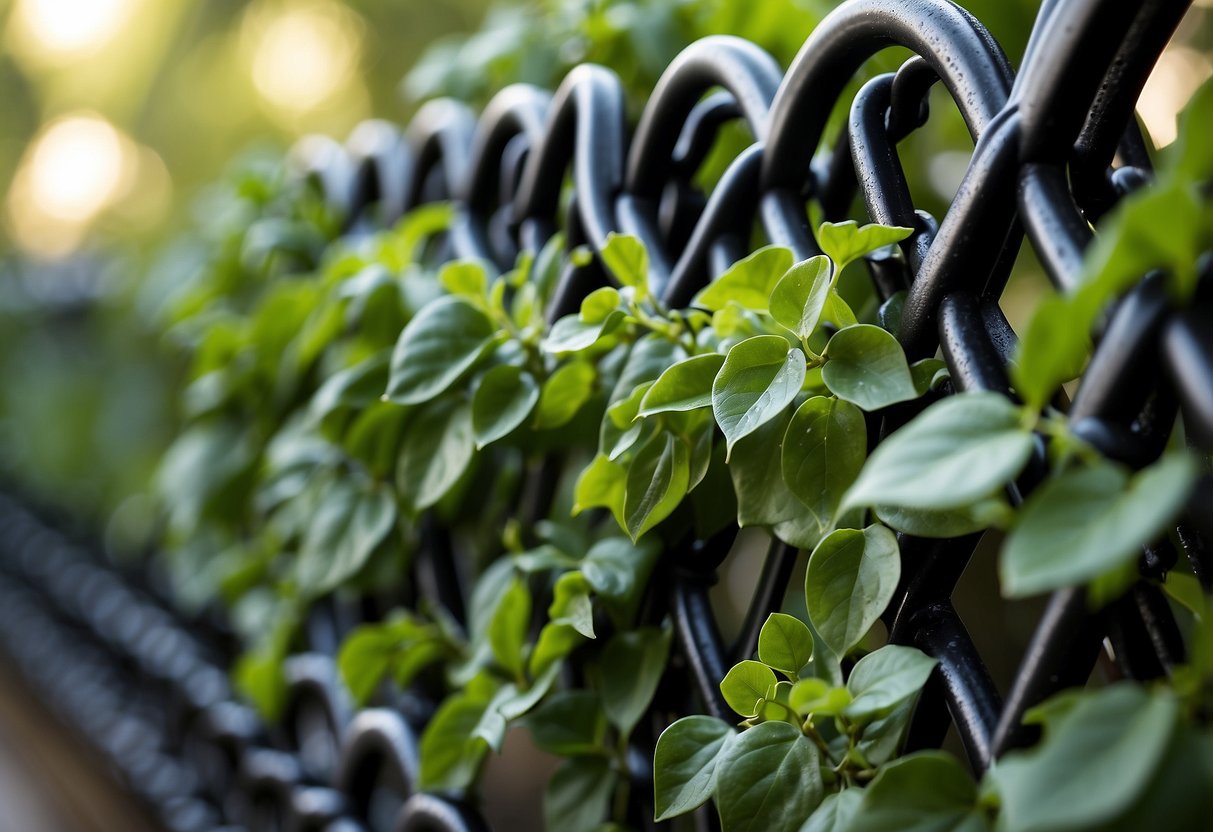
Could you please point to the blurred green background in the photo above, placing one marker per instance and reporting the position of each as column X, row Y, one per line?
column 119, row 113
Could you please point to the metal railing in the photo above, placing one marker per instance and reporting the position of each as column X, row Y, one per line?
column 1056, row 146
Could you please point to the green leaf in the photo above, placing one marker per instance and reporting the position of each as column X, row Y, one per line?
column 503, row 400
column 508, row 629
column 849, row 581
column 647, row 359
column 745, row 684
column 1096, row 759
column 884, row 679
column 617, row 569
column 621, row 430
column 953, row 454
column 759, row 378
column 929, row 374
column 762, row 500
column 569, row 723
column 439, row 345
column 571, row 603
column 867, row 367
column 656, row 483
column 819, row 697
column 436, row 449
column 767, row 778
column 748, row 282
column 627, row 260
column 1090, row 520
column 685, row 386
column 465, row 278
column 823, row 452
column 800, row 295
column 599, row 304
column 450, row 753
column 601, row 485
column 632, row 665
column 846, row 242
column 785, row 643
column 578, row 796
column 835, row 812
column 572, row 334
column 357, row 386
column 348, row 525
column 684, row 764
column 937, row 523
column 1053, row 350
column 565, row 391
column 925, row 792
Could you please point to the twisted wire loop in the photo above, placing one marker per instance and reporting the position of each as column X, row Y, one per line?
column 1045, row 143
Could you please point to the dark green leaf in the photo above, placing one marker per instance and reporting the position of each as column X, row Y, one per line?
column 578, row 796
column 656, row 483
column 767, row 778
column 1087, row 521
column 632, row 665
column 439, row 345
column 884, row 679
column 685, row 386
column 349, row 524
column 436, row 450
column 503, row 400
column 848, row 583
column 956, row 452
column 835, row 812
column 759, row 378
column 684, row 764
column 823, row 451
column 569, row 723
column 867, row 367
column 925, row 792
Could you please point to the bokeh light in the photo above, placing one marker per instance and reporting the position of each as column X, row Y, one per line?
column 76, row 168
column 303, row 55
column 65, row 28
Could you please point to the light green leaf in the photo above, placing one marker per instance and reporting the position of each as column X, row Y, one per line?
column 767, row 778
column 684, row 764
column 616, row 568
column 450, row 754
column 1090, row 520
column 601, row 485
column 925, row 792
column 1096, row 759
column 503, row 400
column 956, row 452
column 632, row 665
column 578, row 796
column 1053, row 350
column 465, row 278
column 884, row 679
column 785, row 643
column 445, row 340
column 571, row 603
column 572, row 334
column 656, row 483
column 800, row 295
column 819, row 697
column 436, row 449
column 357, row 386
column 685, row 386
column 647, row 359
column 748, row 282
column 745, row 684
column 627, row 260
column 935, row 523
column 929, row 374
column 867, row 367
column 621, row 430
column 759, row 378
column 565, row 391
column 823, row 451
column 762, row 499
column 599, row 304
column 849, row 581
column 508, row 628
column 846, row 242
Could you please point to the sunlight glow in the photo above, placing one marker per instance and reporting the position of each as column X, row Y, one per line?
column 1178, row 73
column 72, row 26
column 304, row 55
